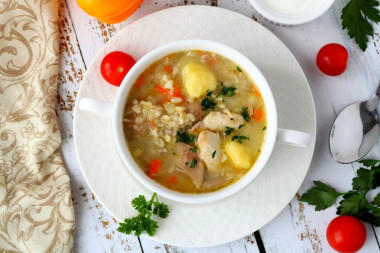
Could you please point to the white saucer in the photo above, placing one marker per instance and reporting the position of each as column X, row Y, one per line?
column 256, row 205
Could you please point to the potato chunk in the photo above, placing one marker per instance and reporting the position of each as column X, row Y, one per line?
column 238, row 154
column 198, row 79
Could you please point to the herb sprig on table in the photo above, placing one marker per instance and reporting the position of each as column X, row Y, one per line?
column 143, row 222
column 354, row 202
column 355, row 17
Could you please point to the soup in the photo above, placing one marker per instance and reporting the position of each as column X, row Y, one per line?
column 195, row 122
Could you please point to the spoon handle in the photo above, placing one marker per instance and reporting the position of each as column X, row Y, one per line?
column 372, row 103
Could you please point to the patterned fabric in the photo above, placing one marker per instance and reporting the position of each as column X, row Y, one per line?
column 36, row 212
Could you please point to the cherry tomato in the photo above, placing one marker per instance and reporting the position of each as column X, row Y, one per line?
column 115, row 66
column 332, row 59
column 346, row 234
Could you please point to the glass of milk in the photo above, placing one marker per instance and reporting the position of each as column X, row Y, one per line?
column 291, row 12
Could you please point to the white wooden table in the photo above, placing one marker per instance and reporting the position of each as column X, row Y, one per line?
column 298, row 228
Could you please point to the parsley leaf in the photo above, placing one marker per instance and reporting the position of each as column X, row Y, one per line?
column 321, row 196
column 244, row 113
column 213, row 154
column 160, row 209
column 230, row 91
column 370, row 163
column 185, row 137
column 193, row 162
column 355, row 18
column 354, row 202
column 239, row 138
column 143, row 222
column 209, row 92
column 193, row 149
column 140, row 203
column 229, row 130
column 208, row 103
column 238, row 69
column 366, row 179
column 376, row 200
column 264, row 128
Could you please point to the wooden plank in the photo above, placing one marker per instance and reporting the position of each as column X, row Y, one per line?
column 299, row 228
column 92, row 35
column 95, row 228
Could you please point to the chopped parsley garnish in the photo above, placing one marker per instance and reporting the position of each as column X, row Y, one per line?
column 232, row 119
column 185, row 137
column 174, row 153
column 209, row 92
column 238, row 69
column 186, row 163
column 193, row 162
column 230, row 91
column 245, row 114
column 239, row 138
column 241, row 126
column 193, row 149
column 221, row 83
column 143, row 222
column 264, row 128
column 207, row 103
column 229, row 130
column 213, row 154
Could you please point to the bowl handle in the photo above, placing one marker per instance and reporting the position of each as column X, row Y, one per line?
column 100, row 108
column 293, row 137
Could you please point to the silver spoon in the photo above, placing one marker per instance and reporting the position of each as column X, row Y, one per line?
column 355, row 130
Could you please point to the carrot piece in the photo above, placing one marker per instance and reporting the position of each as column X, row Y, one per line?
column 172, row 180
column 176, row 93
column 154, row 167
column 162, row 90
column 168, row 69
column 237, row 170
column 258, row 115
column 257, row 92
column 211, row 62
column 139, row 81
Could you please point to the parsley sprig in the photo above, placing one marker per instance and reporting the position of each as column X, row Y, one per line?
column 185, row 137
column 354, row 202
column 239, row 138
column 355, row 17
column 229, row 130
column 143, row 222
column 244, row 113
column 208, row 103
column 230, row 91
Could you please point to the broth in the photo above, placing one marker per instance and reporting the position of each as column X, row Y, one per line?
column 195, row 122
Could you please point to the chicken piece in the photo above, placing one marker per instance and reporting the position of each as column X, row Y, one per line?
column 184, row 163
column 196, row 128
column 217, row 121
column 209, row 147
